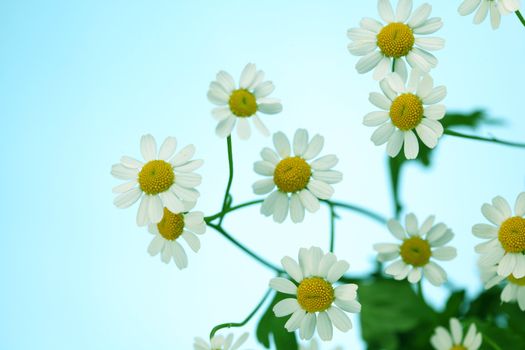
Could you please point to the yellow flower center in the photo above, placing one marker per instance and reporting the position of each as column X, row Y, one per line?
column 406, row 111
column 415, row 251
column 458, row 347
column 292, row 174
column 518, row 281
column 156, row 176
column 314, row 294
column 171, row 226
column 512, row 234
column 242, row 103
column 395, row 40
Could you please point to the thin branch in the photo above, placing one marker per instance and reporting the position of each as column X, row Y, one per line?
column 485, row 139
column 520, row 16
column 246, row 320
column 230, row 209
column 333, row 216
column 225, row 203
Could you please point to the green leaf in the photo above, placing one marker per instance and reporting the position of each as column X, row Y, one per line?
column 390, row 310
column 396, row 164
column 454, row 307
column 272, row 327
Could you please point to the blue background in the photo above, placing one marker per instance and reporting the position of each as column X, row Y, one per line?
column 81, row 81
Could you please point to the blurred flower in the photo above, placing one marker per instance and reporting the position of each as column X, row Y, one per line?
column 170, row 229
column 506, row 245
column 497, row 8
column 315, row 296
column 163, row 181
column 218, row 342
column 453, row 340
column 380, row 43
column 406, row 108
column 416, row 250
column 514, row 289
column 239, row 104
column 300, row 181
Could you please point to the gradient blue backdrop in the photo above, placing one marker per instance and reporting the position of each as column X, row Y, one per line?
column 81, row 81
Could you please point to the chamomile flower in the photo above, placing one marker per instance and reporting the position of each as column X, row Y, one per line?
column 514, row 289
column 168, row 231
column 496, row 8
column 453, row 340
column 298, row 180
column 399, row 39
column 418, row 245
column 218, row 342
column 239, row 104
column 163, row 180
column 315, row 301
column 506, row 245
column 407, row 109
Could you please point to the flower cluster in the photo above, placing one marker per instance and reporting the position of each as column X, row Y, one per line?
column 314, row 293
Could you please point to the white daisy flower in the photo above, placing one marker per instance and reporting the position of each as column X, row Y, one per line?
column 218, row 342
column 496, row 7
column 300, row 180
column 170, row 229
column 164, row 180
column 419, row 245
column 396, row 40
column 453, row 340
column 506, row 245
column 406, row 108
column 316, row 302
column 240, row 104
column 514, row 289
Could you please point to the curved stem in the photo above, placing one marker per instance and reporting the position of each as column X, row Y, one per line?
column 491, row 342
column 486, row 139
column 246, row 320
column 333, row 216
column 223, row 232
column 230, row 209
column 370, row 214
column 520, row 16
column 230, row 178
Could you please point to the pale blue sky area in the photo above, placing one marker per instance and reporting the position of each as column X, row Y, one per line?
column 83, row 80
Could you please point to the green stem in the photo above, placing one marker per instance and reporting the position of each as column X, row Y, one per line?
column 230, row 209
column 223, row 232
column 333, row 216
column 370, row 214
column 246, row 320
column 420, row 291
column 486, row 139
column 520, row 16
column 491, row 342
column 225, row 203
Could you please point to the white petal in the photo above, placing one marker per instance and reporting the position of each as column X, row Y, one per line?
column 167, row 148
column 170, row 201
column 396, row 229
column 386, row 247
column 382, row 134
column 427, row 135
column 502, row 206
column 292, row 268
column 396, row 82
column 125, row 187
column 420, row 15
column 404, row 8
column 445, row 253
column 192, row 240
column 283, row 285
column 371, row 24
column 280, row 211
column 519, row 269
column 346, row 292
column 368, row 62
column 519, row 207
column 225, row 127
column 435, row 274
column 270, row 156
column 507, row 264
column 411, row 145
column 328, row 176
column 295, row 320
column 383, row 68
column 482, row 12
column 155, row 209
column 380, row 101
column 247, row 75
column 339, row 319
column 324, row 326
column 179, row 255
column 142, row 213
column 314, row 148
column 430, row 26
column 268, row 206
column 352, row 306
column 269, row 105
column 243, row 129
column 308, row 326
column 386, row 11
column 263, row 186
column 185, row 194
column 260, row 126
column 127, row 199
column 264, row 89
column 326, row 263
column 309, row 201
column 281, row 144
column 362, row 47
column 492, row 214
column 468, row 6
column 296, row 209
column 156, row 245
column 131, row 162
column 264, row 168
column 226, row 80
column 320, row 189
column 430, row 43
column 337, row 271
column 325, row 162
column 148, row 147
column 183, row 156
column 435, row 112
column 414, row 276
column 300, row 142
column 401, row 68
column 436, row 95
column 375, row 118
column 485, row 231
